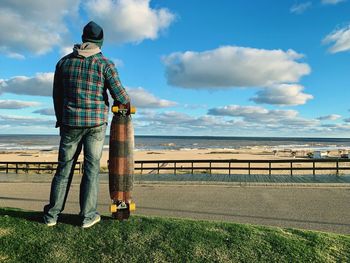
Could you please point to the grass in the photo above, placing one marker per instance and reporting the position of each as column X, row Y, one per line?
column 23, row 238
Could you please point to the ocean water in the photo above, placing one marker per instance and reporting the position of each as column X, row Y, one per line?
column 51, row 142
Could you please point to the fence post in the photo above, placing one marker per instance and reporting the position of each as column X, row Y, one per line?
column 269, row 168
column 192, row 168
column 229, row 168
column 291, row 168
column 337, row 163
column 158, row 167
column 16, row 168
column 174, row 167
column 7, row 168
column 313, row 168
column 248, row 168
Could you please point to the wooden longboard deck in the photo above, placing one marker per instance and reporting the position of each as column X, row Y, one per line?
column 121, row 164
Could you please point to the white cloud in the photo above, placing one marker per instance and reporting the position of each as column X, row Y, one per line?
column 331, row 117
column 340, row 40
column 46, row 111
column 300, row 8
column 143, row 99
column 232, row 66
column 39, row 85
column 332, row 2
column 282, row 94
column 33, row 25
column 128, row 20
column 17, row 104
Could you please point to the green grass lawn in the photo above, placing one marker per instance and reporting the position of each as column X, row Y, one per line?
column 24, row 238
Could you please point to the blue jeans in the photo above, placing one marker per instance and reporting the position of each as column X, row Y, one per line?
column 71, row 144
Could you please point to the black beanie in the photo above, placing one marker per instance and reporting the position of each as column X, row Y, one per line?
column 93, row 33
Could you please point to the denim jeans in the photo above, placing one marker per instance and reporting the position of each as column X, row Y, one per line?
column 71, row 144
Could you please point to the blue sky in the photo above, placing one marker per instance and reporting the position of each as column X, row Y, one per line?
column 214, row 68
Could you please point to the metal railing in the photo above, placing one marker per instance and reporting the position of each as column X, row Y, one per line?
column 35, row 167
column 230, row 166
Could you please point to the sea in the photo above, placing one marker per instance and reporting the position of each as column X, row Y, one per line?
column 153, row 143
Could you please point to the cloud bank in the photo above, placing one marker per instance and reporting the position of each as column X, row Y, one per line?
column 260, row 115
column 141, row 98
column 282, row 95
column 39, row 85
column 17, row 104
column 45, row 111
column 331, row 117
column 300, row 8
column 33, row 26
column 14, row 120
column 332, row 2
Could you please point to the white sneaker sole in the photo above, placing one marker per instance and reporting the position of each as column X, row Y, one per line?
column 98, row 219
column 51, row 224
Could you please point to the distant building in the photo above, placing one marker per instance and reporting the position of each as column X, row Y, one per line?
column 320, row 154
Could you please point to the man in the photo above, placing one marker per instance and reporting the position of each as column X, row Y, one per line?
column 80, row 86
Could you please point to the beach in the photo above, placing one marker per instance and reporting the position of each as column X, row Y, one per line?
column 249, row 153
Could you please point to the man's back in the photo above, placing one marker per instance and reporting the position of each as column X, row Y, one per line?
column 80, row 88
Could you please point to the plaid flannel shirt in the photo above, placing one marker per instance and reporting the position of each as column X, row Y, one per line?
column 80, row 90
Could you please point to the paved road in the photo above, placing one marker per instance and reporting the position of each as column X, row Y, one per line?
column 320, row 208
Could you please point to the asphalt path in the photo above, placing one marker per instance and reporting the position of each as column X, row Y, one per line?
column 315, row 208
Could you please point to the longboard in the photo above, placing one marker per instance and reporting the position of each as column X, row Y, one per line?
column 121, row 162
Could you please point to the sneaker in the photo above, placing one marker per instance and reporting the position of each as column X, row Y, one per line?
column 92, row 222
column 50, row 223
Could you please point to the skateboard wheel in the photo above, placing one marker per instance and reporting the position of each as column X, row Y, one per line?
column 132, row 206
column 133, row 110
column 115, row 109
column 113, row 208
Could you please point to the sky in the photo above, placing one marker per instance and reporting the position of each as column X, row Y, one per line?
column 194, row 67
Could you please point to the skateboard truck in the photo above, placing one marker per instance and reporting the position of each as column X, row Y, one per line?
column 123, row 109
column 122, row 206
